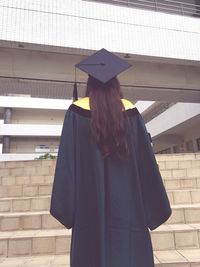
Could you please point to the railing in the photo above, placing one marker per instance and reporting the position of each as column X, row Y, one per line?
column 167, row 6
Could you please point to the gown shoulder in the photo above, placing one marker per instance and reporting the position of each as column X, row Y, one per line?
column 84, row 103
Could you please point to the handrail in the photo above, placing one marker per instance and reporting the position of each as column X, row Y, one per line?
column 168, row 6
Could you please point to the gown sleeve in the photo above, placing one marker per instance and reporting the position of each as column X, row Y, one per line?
column 62, row 205
column 156, row 203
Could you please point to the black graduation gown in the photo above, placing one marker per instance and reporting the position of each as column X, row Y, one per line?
column 110, row 205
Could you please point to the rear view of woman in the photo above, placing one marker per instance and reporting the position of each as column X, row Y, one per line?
column 107, row 186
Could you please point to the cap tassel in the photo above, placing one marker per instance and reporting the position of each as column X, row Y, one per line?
column 75, row 91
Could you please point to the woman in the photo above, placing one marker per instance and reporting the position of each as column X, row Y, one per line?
column 107, row 185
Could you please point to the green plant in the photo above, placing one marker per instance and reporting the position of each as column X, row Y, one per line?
column 46, row 156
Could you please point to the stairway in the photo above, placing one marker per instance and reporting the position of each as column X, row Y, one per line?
column 30, row 236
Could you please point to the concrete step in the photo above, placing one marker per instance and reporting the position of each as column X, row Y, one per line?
column 178, row 157
column 183, row 183
column 35, row 242
column 165, row 258
column 170, row 166
column 184, row 196
column 36, row 203
column 177, row 258
column 36, row 175
column 171, row 163
column 55, row 242
column 33, row 163
column 49, row 162
column 42, row 185
column 42, row 219
column 28, row 171
column 18, row 204
column 28, row 221
column 36, row 261
column 26, row 180
column 186, row 173
column 182, row 213
column 25, row 190
column 176, row 236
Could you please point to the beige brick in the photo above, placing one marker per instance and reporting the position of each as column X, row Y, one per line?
column 48, row 179
column 17, row 247
column 28, row 171
column 21, row 204
column 22, row 180
column 198, row 182
column 192, row 255
column 10, row 223
column 5, row 172
column 189, row 156
column 47, row 163
column 14, row 164
column 184, row 164
column 162, row 241
column 10, row 180
column 3, row 191
column 40, row 204
column 17, row 171
column 176, row 217
column 188, row 183
column 33, row 163
column 181, row 197
column 31, row 222
column 172, row 184
column 162, row 157
column 179, row 173
column 162, row 165
column 14, row 261
column 167, row 256
column 42, row 170
column 49, row 222
column 192, row 215
column 42, row 245
column 30, row 190
column 37, row 179
column 195, row 196
column 61, row 260
column 14, row 191
column 62, row 245
column 194, row 172
column 3, row 248
column 166, row 173
column 2, row 165
column 45, row 189
column 39, row 261
column 195, row 163
column 186, row 239
column 5, row 205
column 171, row 164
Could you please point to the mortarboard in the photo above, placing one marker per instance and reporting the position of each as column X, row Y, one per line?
column 102, row 65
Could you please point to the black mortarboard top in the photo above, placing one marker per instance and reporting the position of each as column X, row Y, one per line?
column 102, row 65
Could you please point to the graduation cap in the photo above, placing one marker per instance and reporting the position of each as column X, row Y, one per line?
column 102, row 65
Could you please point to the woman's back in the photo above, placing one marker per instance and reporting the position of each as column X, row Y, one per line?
column 109, row 204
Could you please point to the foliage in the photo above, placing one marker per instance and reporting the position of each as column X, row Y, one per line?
column 46, row 156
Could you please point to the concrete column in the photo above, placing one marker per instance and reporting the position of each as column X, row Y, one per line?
column 7, row 139
column 6, row 144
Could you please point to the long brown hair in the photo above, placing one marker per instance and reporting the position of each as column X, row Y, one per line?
column 107, row 117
